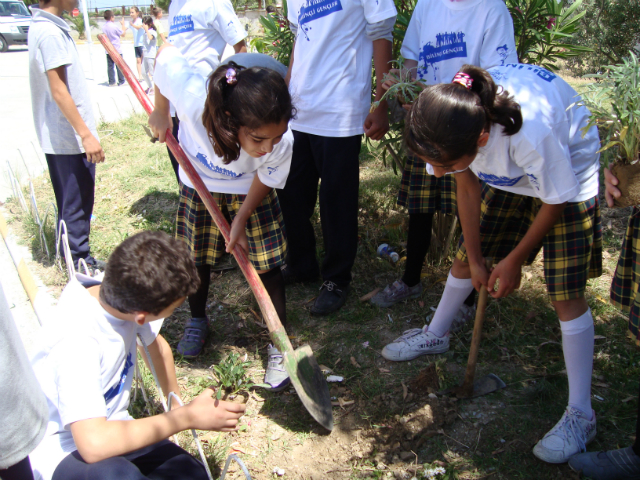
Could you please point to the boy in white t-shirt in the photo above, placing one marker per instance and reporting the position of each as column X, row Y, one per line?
column 442, row 36
column 330, row 78
column 85, row 363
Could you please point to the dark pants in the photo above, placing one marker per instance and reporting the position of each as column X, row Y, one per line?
column 19, row 471
column 335, row 160
column 174, row 162
column 112, row 76
column 163, row 460
column 73, row 180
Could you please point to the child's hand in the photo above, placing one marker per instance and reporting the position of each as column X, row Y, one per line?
column 377, row 123
column 509, row 271
column 390, row 79
column 159, row 123
column 146, row 27
column 208, row 413
column 479, row 275
column 238, row 235
column 611, row 192
column 93, row 149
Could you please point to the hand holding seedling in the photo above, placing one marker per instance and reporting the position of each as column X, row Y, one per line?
column 208, row 413
column 611, row 191
column 399, row 83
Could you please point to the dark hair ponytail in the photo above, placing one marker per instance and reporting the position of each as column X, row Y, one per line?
column 258, row 97
column 149, row 22
column 444, row 124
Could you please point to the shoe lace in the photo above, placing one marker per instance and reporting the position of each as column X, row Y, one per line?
column 192, row 335
column 571, row 424
column 408, row 335
column 275, row 362
column 330, row 286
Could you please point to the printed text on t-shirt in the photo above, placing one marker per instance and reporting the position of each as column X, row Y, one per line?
column 181, row 24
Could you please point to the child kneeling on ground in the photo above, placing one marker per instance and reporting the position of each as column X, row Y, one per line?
column 85, row 363
column 540, row 189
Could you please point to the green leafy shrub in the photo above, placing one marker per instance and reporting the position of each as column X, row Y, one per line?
column 278, row 39
column 77, row 24
column 232, row 375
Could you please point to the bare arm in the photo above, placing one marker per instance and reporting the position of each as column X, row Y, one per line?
column 469, row 201
column 160, row 118
column 60, row 93
column 162, row 358
column 287, row 78
column 98, row 438
column 257, row 192
column 240, row 47
column 377, row 123
column 124, row 28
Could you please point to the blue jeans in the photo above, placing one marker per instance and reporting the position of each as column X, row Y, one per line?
column 112, row 76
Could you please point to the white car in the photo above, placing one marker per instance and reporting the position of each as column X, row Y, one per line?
column 15, row 20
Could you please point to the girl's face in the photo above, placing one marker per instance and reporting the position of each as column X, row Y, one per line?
column 159, row 16
column 261, row 141
column 133, row 14
column 458, row 165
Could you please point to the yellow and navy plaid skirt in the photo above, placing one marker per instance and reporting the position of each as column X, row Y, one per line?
column 572, row 249
column 626, row 281
column 424, row 193
column 265, row 228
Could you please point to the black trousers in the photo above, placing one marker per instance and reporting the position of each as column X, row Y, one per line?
column 161, row 461
column 174, row 162
column 334, row 160
column 73, row 180
column 19, row 471
column 112, row 76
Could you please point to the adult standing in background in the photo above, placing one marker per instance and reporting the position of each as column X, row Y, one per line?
column 330, row 81
column 113, row 33
column 138, row 37
column 201, row 29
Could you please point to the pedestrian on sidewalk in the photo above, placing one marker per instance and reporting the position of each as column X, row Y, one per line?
column 113, row 33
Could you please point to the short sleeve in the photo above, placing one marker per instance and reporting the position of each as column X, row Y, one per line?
column 228, row 24
column 548, row 168
column 54, row 51
column 291, row 15
column 274, row 172
column 379, row 10
column 149, row 331
column 498, row 44
column 78, row 380
column 411, row 44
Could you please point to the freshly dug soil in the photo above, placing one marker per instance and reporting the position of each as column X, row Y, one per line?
column 629, row 186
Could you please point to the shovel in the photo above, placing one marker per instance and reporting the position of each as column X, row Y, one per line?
column 300, row 364
column 488, row 383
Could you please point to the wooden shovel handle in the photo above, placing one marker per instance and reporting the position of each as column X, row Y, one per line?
column 264, row 301
column 466, row 390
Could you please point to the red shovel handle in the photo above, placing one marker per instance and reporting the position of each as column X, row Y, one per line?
column 269, row 312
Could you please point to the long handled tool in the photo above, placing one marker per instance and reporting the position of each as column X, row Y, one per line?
column 489, row 383
column 300, row 364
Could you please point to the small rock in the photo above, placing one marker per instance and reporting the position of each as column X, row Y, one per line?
column 433, row 395
column 278, row 471
column 406, row 455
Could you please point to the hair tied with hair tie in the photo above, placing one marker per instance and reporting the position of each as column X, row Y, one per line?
column 463, row 79
column 231, row 76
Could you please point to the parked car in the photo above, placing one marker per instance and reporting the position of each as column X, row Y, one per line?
column 15, row 19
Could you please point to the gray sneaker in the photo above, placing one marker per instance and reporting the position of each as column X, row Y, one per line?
column 276, row 376
column 396, row 292
column 622, row 464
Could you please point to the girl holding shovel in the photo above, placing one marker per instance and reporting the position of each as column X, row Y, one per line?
column 517, row 128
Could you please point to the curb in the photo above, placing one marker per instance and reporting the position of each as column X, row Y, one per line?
column 36, row 290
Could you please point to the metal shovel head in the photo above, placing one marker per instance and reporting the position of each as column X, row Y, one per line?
column 487, row 384
column 310, row 384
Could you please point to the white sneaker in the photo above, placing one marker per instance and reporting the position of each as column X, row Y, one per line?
column 413, row 343
column 464, row 315
column 569, row 436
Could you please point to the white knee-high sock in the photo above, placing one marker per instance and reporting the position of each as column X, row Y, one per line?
column 577, row 346
column 455, row 293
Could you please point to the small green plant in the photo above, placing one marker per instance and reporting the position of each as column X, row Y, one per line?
column 77, row 24
column 232, row 376
column 278, row 39
column 405, row 89
column 614, row 102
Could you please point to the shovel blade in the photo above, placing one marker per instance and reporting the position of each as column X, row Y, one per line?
column 310, row 384
column 487, row 384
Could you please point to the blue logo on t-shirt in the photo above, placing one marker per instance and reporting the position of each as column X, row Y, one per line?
column 117, row 388
column 215, row 168
column 314, row 10
column 448, row 45
column 181, row 24
column 498, row 181
column 503, row 53
column 545, row 75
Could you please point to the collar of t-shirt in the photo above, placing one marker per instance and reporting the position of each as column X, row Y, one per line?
column 460, row 4
column 40, row 15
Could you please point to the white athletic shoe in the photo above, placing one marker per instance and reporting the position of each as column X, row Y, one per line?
column 569, row 436
column 413, row 343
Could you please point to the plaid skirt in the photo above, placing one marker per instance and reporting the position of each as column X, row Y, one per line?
column 624, row 288
column 424, row 193
column 572, row 249
column 265, row 228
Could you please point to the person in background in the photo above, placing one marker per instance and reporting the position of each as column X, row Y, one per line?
column 162, row 34
column 150, row 49
column 114, row 33
column 138, row 37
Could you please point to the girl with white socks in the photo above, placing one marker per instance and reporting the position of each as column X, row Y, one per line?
column 518, row 128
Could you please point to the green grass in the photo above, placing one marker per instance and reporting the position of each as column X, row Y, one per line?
column 489, row 436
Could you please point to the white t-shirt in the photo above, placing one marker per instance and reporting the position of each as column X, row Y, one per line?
column 84, row 363
column 138, row 34
column 201, row 29
column 443, row 35
column 331, row 76
column 186, row 89
column 548, row 158
column 150, row 47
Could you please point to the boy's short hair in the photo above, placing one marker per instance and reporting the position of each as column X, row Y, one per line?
column 147, row 273
column 108, row 15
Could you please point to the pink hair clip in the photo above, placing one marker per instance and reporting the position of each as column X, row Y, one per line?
column 463, row 79
column 231, row 76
